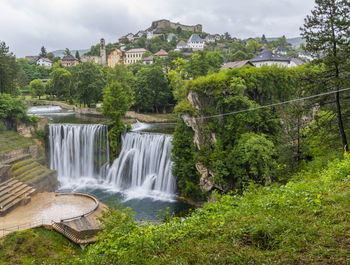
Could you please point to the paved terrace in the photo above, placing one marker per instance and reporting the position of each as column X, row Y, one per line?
column 45, row 208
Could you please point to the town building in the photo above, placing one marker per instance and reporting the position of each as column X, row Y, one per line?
column 210, row 38
column 268, row 58
column 133, row 55
column 181, row 45
column 195, row 42
column 102, row 59
column 47, row 63
column 162, row 54
column 147, row 60
column 280, row 50
column 130, row 37
column 236, row 64
column 69, row 60
column 115, row 57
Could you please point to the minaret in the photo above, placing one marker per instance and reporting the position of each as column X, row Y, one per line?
column 103, row 52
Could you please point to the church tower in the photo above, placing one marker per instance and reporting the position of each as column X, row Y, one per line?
column 103, row 52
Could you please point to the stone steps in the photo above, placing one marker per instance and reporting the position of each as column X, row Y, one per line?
column 66, row 231
column 13, row 193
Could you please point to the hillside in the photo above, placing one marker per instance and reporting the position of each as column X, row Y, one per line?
column 294, row 41
column 306, row 221
column 61, row 52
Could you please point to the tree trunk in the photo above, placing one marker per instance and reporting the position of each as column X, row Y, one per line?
column 340, row 123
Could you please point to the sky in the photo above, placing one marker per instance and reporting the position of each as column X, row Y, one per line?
column 26, row 25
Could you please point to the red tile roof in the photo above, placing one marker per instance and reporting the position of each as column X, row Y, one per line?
column 161, row 53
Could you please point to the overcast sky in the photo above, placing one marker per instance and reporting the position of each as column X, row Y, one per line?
column 26, row 25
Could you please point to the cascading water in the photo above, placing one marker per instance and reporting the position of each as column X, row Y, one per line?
column 143, row 168
column 78, row 151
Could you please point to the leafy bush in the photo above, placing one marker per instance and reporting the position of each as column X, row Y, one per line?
column 304, row 221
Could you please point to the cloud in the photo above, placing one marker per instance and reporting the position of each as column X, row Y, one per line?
column 57, row 24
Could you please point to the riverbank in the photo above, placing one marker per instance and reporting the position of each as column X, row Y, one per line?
column 130, row 116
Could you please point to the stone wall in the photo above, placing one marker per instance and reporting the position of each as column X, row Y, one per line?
column 166, row 24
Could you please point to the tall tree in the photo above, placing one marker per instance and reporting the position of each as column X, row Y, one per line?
column 77, row 55
column 61, row 83
column 326, row 31
column 37, row 88
column 8, row 70
column 67, row 52
column 43, row 53
column 87, row 83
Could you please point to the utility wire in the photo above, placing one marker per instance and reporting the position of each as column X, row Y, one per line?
column 275, row 104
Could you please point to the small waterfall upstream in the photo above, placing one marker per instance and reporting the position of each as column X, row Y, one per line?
column 143, row 169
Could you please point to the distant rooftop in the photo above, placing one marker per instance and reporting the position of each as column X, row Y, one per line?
column 137, row 50
column 69, row 58
column 195, row 38
column 269, row 56
column 161, row 53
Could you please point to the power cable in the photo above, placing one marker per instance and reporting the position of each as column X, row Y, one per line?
column 275, row 104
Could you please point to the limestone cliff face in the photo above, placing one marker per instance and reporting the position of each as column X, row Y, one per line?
column 200, row 139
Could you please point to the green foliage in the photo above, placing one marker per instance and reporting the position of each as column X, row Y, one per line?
column 326, row 31
column 11, row 109
column 60, row 84
column 29, row 71
column 8, row 71
column 37, row 246
column 116, row 101
column 184, row 158
column 305, row 221
column 88, row 83
column 151, row 89
column 37, row 88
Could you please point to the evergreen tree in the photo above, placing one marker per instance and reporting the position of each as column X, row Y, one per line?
column 8, row 70
column 326, row 32
column 43, row 53
column 77, row 55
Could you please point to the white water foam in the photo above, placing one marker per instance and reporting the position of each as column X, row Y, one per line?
column 142, row 170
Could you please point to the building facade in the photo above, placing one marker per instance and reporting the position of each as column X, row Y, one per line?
column 195, row 42
column 133, row 55
column 47, row 63
column 116, row 57
column 69, row 60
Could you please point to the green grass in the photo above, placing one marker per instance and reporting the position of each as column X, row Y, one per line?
column 10, row 140
column 36, row 246
column 306, row 221
column 29, row 171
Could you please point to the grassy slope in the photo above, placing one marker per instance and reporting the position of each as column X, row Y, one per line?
column 10, row 140
column 304, row 222
column 36, row 246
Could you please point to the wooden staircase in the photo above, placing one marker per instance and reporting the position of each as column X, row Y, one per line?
column 71, row 234
column 12, row 194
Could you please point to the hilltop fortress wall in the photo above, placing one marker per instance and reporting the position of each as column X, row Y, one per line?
column 166, row 24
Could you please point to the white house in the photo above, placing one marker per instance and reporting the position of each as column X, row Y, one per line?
column 268, row 58
column 181, row 45
column 280, row 50
column 195, row 42
column 130, row 37
column 134, row 55
column 47, row 63
column 210, row 38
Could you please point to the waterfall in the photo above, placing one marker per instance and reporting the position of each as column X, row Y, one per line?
column 79, row 153
column 143, row 167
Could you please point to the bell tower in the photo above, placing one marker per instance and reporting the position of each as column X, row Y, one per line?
column 103, row 52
